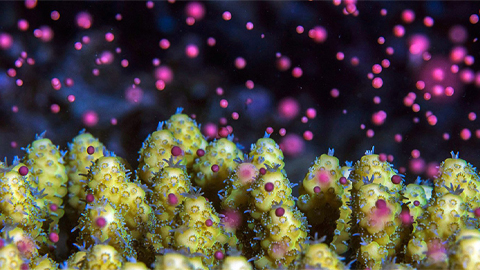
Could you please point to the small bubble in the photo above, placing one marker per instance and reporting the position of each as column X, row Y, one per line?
column 211, row 41
column 55, row 108
column 227, row 16
column 240, row 63
column 297, row 72
column 55, row 15
column 308, row 135
column 109, row 37
column 465, row 134
column 223, row 103
column 300, row 29
column 428, row 21
column 377, row 82
column 191, row 51
column 340, row 56
column 164, row 44
column 398, row 30
column 249, row 84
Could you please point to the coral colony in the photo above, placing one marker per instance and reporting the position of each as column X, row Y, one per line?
column 125, row 177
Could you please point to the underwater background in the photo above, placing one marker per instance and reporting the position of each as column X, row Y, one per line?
column 397, row 75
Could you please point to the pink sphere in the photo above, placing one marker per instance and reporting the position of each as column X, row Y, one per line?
column 195, row 10
column 288, row 108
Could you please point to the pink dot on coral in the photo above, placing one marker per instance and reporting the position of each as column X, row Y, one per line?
column 382, row 157
column 477, row 212
column 23, row 170
column 381, row 204
column 279, row 211
column 172, row 199
column 396, row 179
column 90, row 150
column 53, row 236
column 101, row 222
column 208, row 222
column 219, row 255
column 215, row 168
column 200, row 152
column 406, row 218
column 316, row 189
column 89, row 198
column 269, row 187
column 176, row 151
column 343, row 180
column 416, row 203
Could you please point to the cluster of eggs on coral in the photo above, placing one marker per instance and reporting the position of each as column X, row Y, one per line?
column 194, row 204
